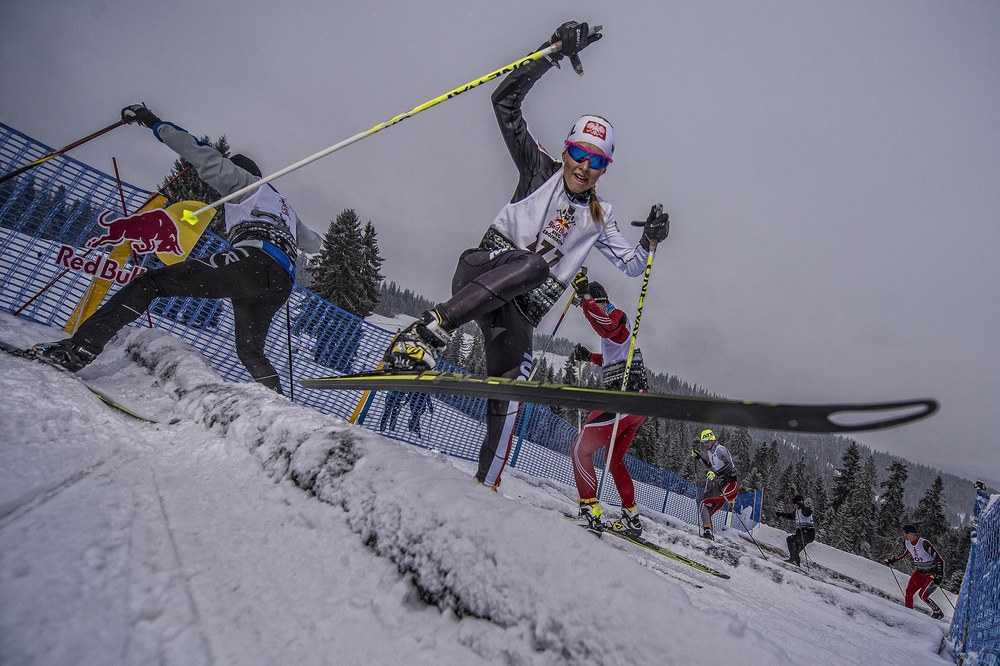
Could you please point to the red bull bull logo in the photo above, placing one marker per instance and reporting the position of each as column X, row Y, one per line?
column 149, row 231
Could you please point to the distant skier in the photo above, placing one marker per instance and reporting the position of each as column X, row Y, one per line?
column 531, row 251
column 805, row 528
column 928, row 569
column 612, row 325
column 393, row 406
column 419, row 403
column 256, row 275
column 720, row 485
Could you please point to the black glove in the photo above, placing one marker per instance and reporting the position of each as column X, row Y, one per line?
column 138, row 113
column 580, row 353
column 574, row 37
column 656, row 228
column 888, row 560
column 696, row 452
column 581, row 284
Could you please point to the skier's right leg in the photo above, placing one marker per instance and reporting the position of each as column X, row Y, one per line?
column 125, row 306
column 917, row 580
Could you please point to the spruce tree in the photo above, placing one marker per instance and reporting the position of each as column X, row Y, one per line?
column 892, row 510
column 856, row 516
column 850, row 466
column 820, row 500
column 930, row 515
column 371, row 264
column 475, row 360
column 453, row 351
column 340, row 273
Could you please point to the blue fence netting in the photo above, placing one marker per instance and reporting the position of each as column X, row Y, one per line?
column 58, row 203
column 974, row 637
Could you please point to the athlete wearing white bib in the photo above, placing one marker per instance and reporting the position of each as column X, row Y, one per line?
column 805, row 529
column 929, row 569
column 611, row 324
column 531, row 251
column 256, row 275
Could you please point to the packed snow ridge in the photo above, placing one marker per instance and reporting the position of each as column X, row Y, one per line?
column 373, row 551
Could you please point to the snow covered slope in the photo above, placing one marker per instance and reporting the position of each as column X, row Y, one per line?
column 245, row 529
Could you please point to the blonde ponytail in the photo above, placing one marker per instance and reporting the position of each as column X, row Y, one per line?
column 596, row 211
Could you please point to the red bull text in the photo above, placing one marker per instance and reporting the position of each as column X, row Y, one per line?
column 99, row 267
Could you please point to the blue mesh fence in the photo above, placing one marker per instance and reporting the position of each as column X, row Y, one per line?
column 975, row 630
column 54, row 208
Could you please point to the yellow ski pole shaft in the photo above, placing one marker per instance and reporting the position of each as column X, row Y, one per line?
column 537, row 55
column 628, row 359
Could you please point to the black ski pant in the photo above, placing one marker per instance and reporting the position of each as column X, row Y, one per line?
column 483, row 289
column 798, row 541
column 255, row 283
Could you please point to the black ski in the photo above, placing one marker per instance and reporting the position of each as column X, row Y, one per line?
column 101, row 395
column 773, row 416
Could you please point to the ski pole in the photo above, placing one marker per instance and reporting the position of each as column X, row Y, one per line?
column 64, row 149
column 288, row 330
column 531, row 374
column 897, row 581
column 749, row 533
column 191, row 217
column 631, row 352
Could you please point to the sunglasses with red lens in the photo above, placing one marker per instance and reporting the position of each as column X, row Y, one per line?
column 579, row 154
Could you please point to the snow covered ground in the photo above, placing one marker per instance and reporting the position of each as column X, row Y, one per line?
column 244, row 529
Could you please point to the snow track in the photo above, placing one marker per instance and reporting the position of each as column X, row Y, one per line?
column 253, row 530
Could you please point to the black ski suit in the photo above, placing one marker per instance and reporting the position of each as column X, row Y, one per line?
column 256, row 275
column 526, row 260
column 805, row 530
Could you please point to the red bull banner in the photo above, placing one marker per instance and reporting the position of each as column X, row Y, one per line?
column 152, row 229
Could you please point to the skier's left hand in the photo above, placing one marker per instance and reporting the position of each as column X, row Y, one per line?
column 580, row 353
column 656, row 228
column 710, row 475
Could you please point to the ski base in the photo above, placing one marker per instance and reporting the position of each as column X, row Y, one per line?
column 772, row 416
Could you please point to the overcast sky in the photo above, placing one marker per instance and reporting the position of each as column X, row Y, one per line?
column 831, row 169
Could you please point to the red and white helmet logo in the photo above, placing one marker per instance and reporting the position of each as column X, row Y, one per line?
column 596, row 129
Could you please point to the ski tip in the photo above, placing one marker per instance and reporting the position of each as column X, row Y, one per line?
column 855, row 418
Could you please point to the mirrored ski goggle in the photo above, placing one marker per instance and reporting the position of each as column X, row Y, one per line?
column 579, row 154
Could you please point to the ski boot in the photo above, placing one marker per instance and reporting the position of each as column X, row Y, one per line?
column 494, row 488
column 706, row 533
column 414, row 347
column 629, row 524
column 64, row 354
column 590, row 516
column 937, row 614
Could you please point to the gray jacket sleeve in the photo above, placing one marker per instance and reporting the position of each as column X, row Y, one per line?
column 308, row 240
column 211, row 166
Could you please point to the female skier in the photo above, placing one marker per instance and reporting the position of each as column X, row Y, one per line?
column 531, row 251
